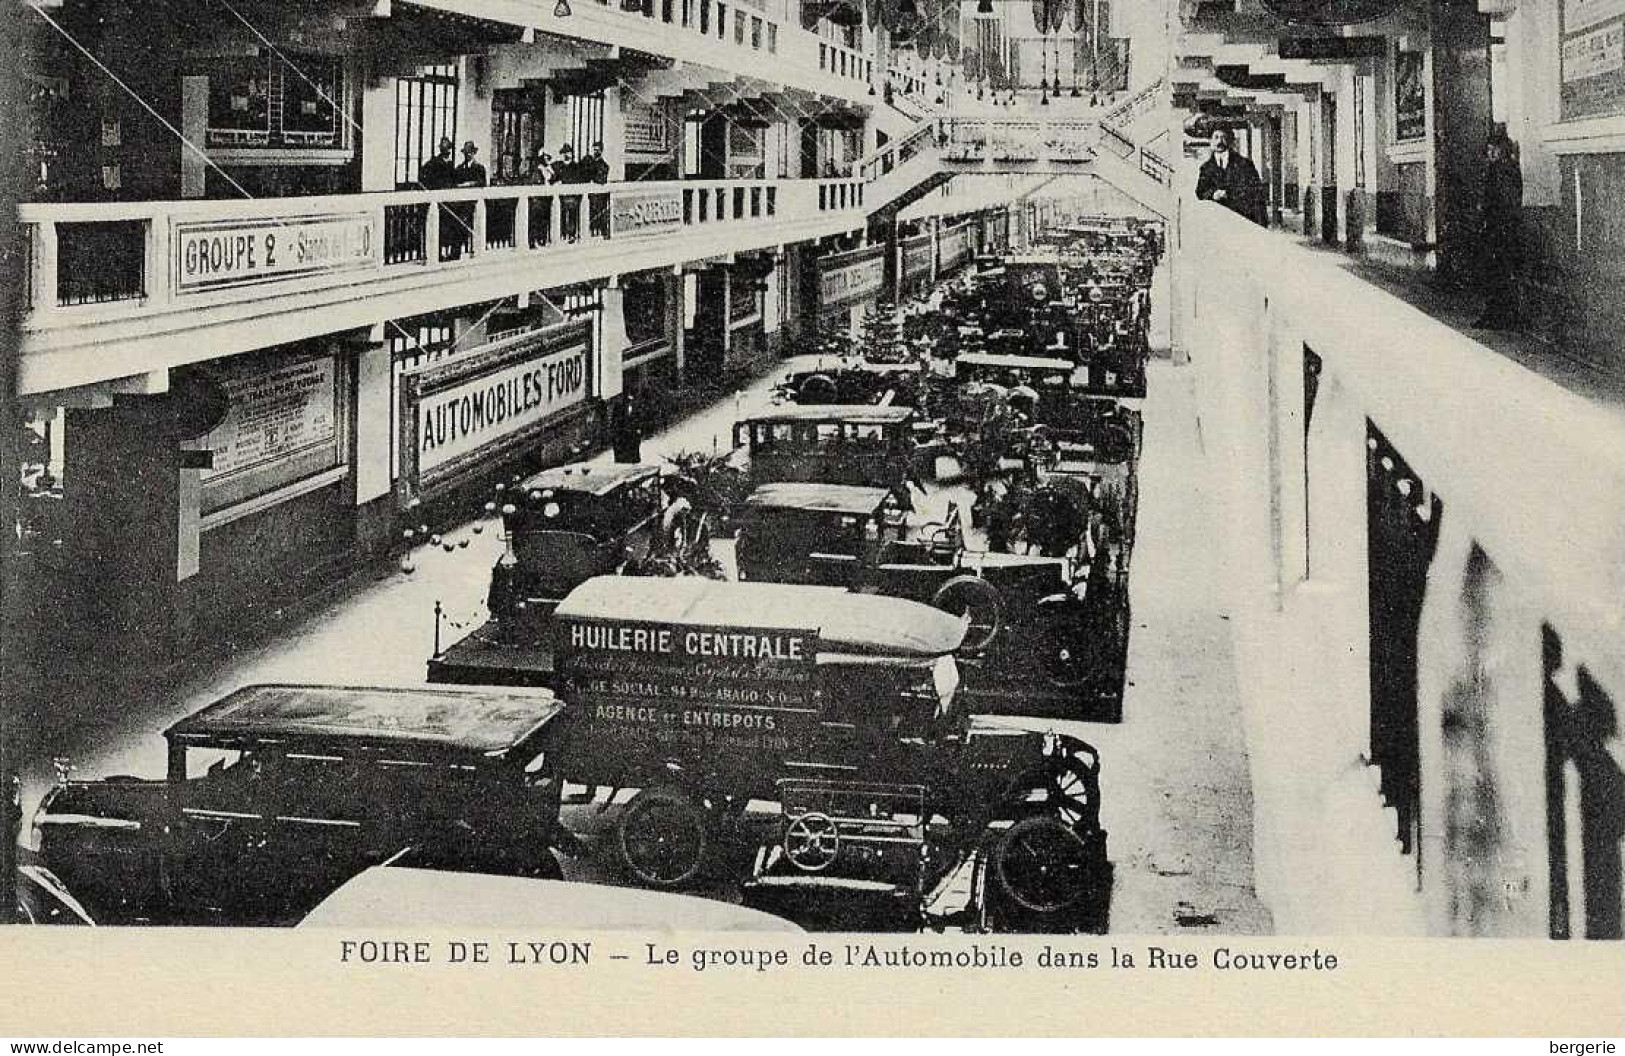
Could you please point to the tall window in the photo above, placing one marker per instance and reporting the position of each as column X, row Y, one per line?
column 586, row 122
column 425, row 110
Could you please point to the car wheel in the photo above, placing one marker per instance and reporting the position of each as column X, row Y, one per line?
column 662, row 837
column 978, row 599
column 816, row 388
column 547, row 868
column 1041, row 865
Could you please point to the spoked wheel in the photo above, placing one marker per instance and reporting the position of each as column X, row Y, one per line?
column 1070, row 791
column 1041, row 865
column 662, row 837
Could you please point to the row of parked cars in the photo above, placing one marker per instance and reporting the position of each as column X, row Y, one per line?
column 833, row 680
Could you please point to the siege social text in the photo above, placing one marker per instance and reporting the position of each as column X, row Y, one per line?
column 733, row 644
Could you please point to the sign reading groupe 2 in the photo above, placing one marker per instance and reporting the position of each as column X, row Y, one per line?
column 223, row 254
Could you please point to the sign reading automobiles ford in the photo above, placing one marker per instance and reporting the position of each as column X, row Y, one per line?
column 219, row 254
column 481, row 410
column 646, row 212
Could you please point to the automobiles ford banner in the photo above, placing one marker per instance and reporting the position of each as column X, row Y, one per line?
column 481, row 410
column 714, row 687
column 223, row 254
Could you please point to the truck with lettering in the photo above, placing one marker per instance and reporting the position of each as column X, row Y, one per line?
column 841, row 707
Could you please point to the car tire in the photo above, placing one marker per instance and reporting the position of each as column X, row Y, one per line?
column 662, row 837
column 976, row 597
column 817, row 388
column 1041, row 865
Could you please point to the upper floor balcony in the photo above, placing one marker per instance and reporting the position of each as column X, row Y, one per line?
column 124, row 289
column 733, row 36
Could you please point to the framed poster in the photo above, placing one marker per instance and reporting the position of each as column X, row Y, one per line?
column 282, row 425
column 1410, row 96
column 648, row 130
column 1592, row 59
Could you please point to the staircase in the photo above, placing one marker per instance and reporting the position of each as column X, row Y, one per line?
column 906, row 169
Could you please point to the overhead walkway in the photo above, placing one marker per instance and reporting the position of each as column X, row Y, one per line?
column 1118, row 147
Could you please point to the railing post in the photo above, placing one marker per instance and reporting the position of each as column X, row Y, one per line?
column 431, row 234
column 155, row 283
column 521, row 223
column 45, row 282
column 477, row 238
column 380, row 241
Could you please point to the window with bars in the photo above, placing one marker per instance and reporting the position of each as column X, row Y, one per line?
column 425, row 111
column 586, row 122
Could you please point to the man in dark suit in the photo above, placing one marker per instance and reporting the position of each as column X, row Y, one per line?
column 1501, row 237
column 1231, row 180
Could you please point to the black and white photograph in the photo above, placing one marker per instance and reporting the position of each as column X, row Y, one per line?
column 782, row 467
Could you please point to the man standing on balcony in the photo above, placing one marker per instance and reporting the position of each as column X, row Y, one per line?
column 594, row 169
column 567, row 171
column 1231, row 180
column 470, row 173
column 438, row 172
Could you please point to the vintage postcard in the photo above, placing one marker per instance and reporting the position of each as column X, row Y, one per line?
column 813, row 517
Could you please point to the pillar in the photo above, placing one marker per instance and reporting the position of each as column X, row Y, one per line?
column 675, row 332
column 613, row 343
column 1460, row 52
column 125, row 509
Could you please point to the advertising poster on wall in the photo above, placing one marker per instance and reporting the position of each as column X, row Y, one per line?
column 1410, row 96
column 1593, row 59
column 282, row 426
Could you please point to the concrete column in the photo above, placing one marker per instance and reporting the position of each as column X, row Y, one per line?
column 675, row 332
column 1346, row 154
column 1459, row 52
column 377, row 146
column 194, row 126
column 374, row 384
column 613, row 345
column 1308, row 127
column 614, row 134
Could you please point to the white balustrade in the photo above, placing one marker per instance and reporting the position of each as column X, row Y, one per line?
column 1308, row 377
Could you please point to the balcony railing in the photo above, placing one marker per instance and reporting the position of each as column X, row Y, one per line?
column 1140, row 103
column 1157, row 167
column 1425, row 577
column 714, row 32
column 900, row 151
column 92, row 260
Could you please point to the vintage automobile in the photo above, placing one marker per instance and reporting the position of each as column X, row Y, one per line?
column 562, row 527
column 392, row 896
column 705, row 695
column 1047, row 630
column 853, row 381
column 836, row 444
column 277, row 794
